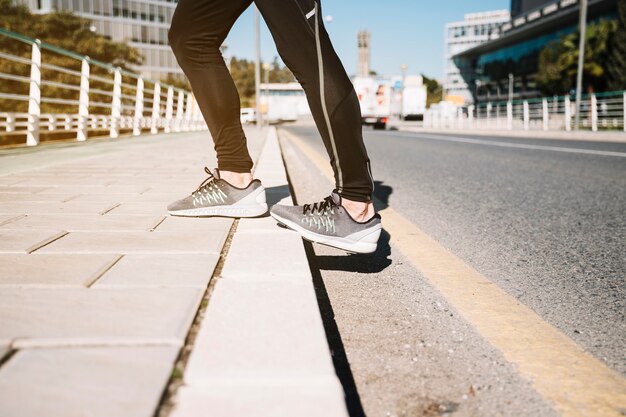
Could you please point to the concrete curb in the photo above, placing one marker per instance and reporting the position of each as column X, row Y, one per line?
column 618, row 137
column 261, row 349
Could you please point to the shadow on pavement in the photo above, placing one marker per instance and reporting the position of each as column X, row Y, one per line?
column 340, row 360
column 275, row 194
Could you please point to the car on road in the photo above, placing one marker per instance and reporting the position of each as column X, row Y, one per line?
column 248, row 115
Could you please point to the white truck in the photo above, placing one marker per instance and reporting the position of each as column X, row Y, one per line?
column 374, row 96
column 413, row 98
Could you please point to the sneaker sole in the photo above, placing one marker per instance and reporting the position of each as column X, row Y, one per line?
column 223, row 211
column 367, row 244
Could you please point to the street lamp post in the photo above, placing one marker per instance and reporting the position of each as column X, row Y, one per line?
column 403, row 69
column 266, row 73
column 257, row 65
column 581, row 59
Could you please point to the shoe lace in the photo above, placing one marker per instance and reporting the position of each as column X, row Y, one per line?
column 208, row 183
column 323, row 207
column 208, row 189
column 319, row 214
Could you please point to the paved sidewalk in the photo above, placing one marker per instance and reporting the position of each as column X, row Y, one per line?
column 261, row 349
column 99, row 288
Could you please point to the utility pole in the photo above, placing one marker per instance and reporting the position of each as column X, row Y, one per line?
column 581, row 59
column 403, row 69
column 266, row 75
column 257, row 65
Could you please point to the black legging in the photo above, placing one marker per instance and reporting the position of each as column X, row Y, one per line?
column 198, row 29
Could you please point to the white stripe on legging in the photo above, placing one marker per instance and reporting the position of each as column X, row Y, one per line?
column 320, row 64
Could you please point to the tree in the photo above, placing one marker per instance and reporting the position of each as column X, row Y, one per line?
column 558, row 61
column 616, row 63
column 64, row 30
column 242, row 72
column 280, row 75
column 434, row 90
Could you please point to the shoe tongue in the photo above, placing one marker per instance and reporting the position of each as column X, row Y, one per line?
column 336, row 197
column 216, row 173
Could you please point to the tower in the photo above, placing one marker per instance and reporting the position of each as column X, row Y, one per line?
column 363, row 66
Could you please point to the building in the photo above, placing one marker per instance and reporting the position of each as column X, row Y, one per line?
column 363, row 65
column 475, row 29
column 506, row 67
column 142, row 24
column 283, row 102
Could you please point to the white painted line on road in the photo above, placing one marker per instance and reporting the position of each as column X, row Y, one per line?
column 577, row 383
column 514, row 145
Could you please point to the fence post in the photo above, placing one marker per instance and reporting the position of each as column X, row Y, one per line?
column 169, row 109
column 568, row 114
column 83, row 101
column 470, row 114
column 498, row 116
column 545, row 113
column 156, row 108
column 116, row 104
column 489, row 115
column 138, row 107
column 594, row 113
column 624, row 111
column 526, row 116
column 34, row 99
column 10, row 122
column 188, row 109
column 180, row 107
column 509, row 115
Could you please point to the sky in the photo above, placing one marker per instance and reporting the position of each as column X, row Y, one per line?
column 403, row 32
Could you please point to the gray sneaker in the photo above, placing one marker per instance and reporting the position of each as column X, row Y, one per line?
column 216, row 197
column 328, row 223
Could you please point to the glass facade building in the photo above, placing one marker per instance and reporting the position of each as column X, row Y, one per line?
column 507, row 67
column 475, row 29
column 142, row 24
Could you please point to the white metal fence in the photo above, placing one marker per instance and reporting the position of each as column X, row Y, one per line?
column 598, row 112
column 111, row 102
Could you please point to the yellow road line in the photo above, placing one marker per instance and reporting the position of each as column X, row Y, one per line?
column 574, row 381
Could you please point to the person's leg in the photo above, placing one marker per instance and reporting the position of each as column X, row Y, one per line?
column 305, row 47
column 197, row 31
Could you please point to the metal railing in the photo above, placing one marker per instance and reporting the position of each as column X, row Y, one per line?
column 598, row 112
column 95, row 98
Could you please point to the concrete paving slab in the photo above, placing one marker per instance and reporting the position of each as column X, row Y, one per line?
column 43, row 316
column 197, row 224
column 314, row 398
column 9, row 180
column 126, row 208
column 106, row 382
column 21, row 189
column 181, row 270
column 41, row 207
column 67, row 180
column 163, row 198
column 23, row 197
column 100, row 189
column 26, row 241
column 8, row 218
column 139, row 242
column 55, row 270
column 86, row 222
column 294, row 266
column 259, row 331
column 265, row 224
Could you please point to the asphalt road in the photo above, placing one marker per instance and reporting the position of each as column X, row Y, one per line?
column 544, row 220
